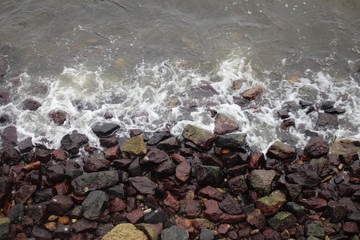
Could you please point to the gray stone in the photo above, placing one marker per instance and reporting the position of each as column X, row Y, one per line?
column 157, row 216
column 207, row 234
column 94, row 203
column 94, row 181
column 282, row 220
column 281, row 151
column 174, row 233
column 263, row 181
column 143, row 184
column 315, row 229
column 232, row 140
column 209, row 175
column 16, row 213
column 4, row 227
column 104, row 129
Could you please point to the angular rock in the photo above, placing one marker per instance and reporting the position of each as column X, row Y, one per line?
column 316, row 148
column 4, row 227
column 171, row 202
column 59, row 155
column 165, row 168
column 25, row 145
column 9, row 135
column 55, row 172
column 109, row 142
column 95, row 164
column 326, row 120
column 174, row 233
column 210, row 192
column 354, row 216
column 41, row 233
column 232, row 140
column 112, row 153
column 104, row 129
column 207, row 234
column 336, row 211
column 263, row 181
column 345, row 146
column 256, row 219
column 60, row 205
column 135, row 216
column 135, row 168
column 192, row 208
column 256, row 159
column 305, row 178
column 201, row 137
column 125, row 231
column 296, row 209
column 169, row 144
column 315, row 229
column 84, row 225
column 212, row 210
column 73, row 141
column 143, row 184
column 252, row 93
column 232, row 219
column 158, row 137
column 10, row 155
column 150, row 230
column 157, row 216
column 94, row 204
column 225, row 124
column 93, row 181
column 135, row 145
column 230, row 205
column 16, row 213
column 271, row 204
column 282, row 220
column 116, row 205
column 351, row 227
column 208, row 175
column 281, row 151
column 58, row 117
column 155, row 156
column 314, row 203
column 24, row 193
column 182, row 171
column 31, row 104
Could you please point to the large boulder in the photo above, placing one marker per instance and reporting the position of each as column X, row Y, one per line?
column 281, row 151
column 232, row 141
column 201, row 137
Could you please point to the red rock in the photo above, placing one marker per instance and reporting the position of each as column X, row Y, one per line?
column 257, row 219
column 230, row 205
column 143, row 184
column 271, row 204
column 165, row 168
column 24, row 193
column 109, row 142
column 169, row 144
column 10, row 155
column 293, row 190
column 58, row 116
column 121, row 163
column 232, row 219
column 62, row 188
column 78, row 236
column 238, row 184
column 9, row 135
column 60, row 205
column 95, row 164
column 316, row 148
column 135, row 216
column 210, row 192
column 225, row 124
column 183, row 171
column 59, row 155
column 245, row 232
column 212, row 210
column 112, row 153
column 252, row 93
column 192, row 208
column 30, row 104
column 351, row 227
column 178, row 158
column 256, row 159
column 55, row 172
column 116, row 205
column 317, row 204
column 223, row 228
column 185, row 224
column 171, row 202
column 156, row 156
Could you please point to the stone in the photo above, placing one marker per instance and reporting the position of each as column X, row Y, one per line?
column 31, row 104
column 25, row 145
column 4, row 227
column 135, row 145
column 336, row 110
column 135, row 216
column 159, row 136
column 73, row 141
column 125, row 231
column 134, row 168
column 60, row 205
column 252, row 93
column 271, row 204
column 93, row 181
column 305, row 178
column 316, row 148
column 10, row 155
column 116, row 205
column 55, row 172
column 165, row 168
column 59, row 155
column 201, row 137
column 336, row 211
column 315, row 229
column 256, row 159
column 150, row 230
column 225, row 124
column 94, row 204
column 326, row 120
column 256, row 219
column 171, row 202
column 232, row 219
column 169, row 144
column 103, row 229
column 16, row 213
column 116, row 191
column 209, row 175
column 144, row 185
column 281, row 151
column 282, row 220
column 112, row 153
column 263, row 181
column 41, row 233
column 174, row 233
column 156, row 216
column 84, row 225
column 182, row 171
column 24, row 193
column 296, row 209
column 58, row 117
column 155, row 156
column 38, row 213
column 207, row 234
column 9, row 135
column 230, row 205
column 109, row 142
column 192, row 208
column 104, row 129
column 345, row 146
column 235, row 141
column 210, row 192
column 293, row 190
column 44, row 195
column 351, row 227
column 314, row 203
column 212, row 210
column 354, row 216
column 92, row 164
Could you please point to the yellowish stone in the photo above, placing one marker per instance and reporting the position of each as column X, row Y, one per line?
column 125, row 231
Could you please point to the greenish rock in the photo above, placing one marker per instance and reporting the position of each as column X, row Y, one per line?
column 135, row 145
column 232, row 141
column 315, row 229
column 201, row 137
column 312, row 238
column 281, row 151
column 94, row 203
column 282, row 221
column 174, row 233
column 94, row 181
column 209, row 175
column 318, row 165
column 4, row 227
column 263, row 181
column 149, row 230
column 345, row 146
column 125, row 231
column 355, row 169
column 271, row 204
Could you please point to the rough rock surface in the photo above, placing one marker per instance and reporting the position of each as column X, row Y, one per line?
column 225, row 124
column 199, row 136
column 125, row 231
column 281, row 151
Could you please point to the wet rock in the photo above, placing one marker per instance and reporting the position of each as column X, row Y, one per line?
column 83, row 225
column 225, row 124
column 252, row 93
column 4, row 118
column 316, row 148
column 230, row 205
column 208, row 175
column 94, row 204
column 351, row 227
column 232, row 219
column 60, row 205
column 55, row 172
column 354, row 216
column 121, row 163
column 192, row 208
column 283, row 113
column 43, row 195
column 59, row 155
column 296, row 209
column 135, row 145
column 256, row 159
column 263, row 181
column 282, row 220
column 355, row 169
column 95, row 164
column 158, row 137
column 169, row 144
column 336, row 110
column 125, row 231
column 93, row 181
column 174, row 233
column 135, row 168
column 210, row 192
column 281, row 151
column 201, row 137
column 109, row 142
column 58, row 117
column 41, row 233
column 135, row 216
column 320, row 166
column 305, row 178
column 314, row 203
column 143, row 184
column 207, row 234
column 4, row 227
column 238, row 184
column 155, row 156
column 326, row 105
column 24, row 193
column 345, row 146
column 165, row 168
column 232, row 141
column 212, row 210
column 9, row 136
column 271, row 204
column 157, row 216
column 171, row 202
column 116, row 191
column 256, row 219
column 327, row 120
column 315, row 229
column 336, row 211
column 182, row 171
column 31, row 104
column 16, row 213
column 10, row 155
column 104, row 129
column 73, row 141
column 112, row 153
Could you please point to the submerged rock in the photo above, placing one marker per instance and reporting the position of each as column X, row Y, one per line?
column 30, row 104
column 281, row 151
column 73, row 141
column 199, row 136
column 58, row 116
column 135, row 145
column 225, row 124
column 104, row 129
column 252, row 93
column 125, row 231
column 316, row 147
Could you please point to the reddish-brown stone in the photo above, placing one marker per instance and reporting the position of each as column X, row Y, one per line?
column 257, row 219
column 58, row 116
column 230, row 205
column 351, row 227
column 62, row 188
column 256, row 159
column 232, row 219
column 244, row 232
column 178, row 158
column 252, row 93
column 192, row 208
column 171, row 202
column 317, row 204
column 316, row 147
column 212, row 210
column 225, row 124
column 210, row 192
column 183, row 171
column 223, row 228
column 116, row 205
column 121, row 163
column 135, row 216
column 112, row 153
column 95, row 164
column 59, row 155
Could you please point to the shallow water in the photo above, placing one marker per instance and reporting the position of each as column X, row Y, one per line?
column 156, row 64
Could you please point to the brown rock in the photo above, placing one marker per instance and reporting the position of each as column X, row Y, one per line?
column 143, row 184
column 223, row 228
column 135, row 216
column 210, row 192
column 327, row 120
column 116, row 205
column 316, row 148
column 83, row 225
column 192, row 208
column 230, row 205
column 183, row 171
column 10, row 155
column 60, row 205
column 169, row 144
column 244, row 232
column 25, row 145
column 121, row 163
column 317, row 204
column 256, row 159
column 225, row 124
column 238, row 184
column 165, row 168
column 30, row 104
column 271, row 204
column 305, row 178
column 257, row 219
column 58, row 116
column 212, row 210
column 59, row 155
column 41, row 233
column 201, row 137
column 62, row 188
column 24, row 193
column 252, row 93
column 95, row 164
column 232, row 219
column 9, row 135
column 263, row 181
column 112, row 153
column 171, row 202
column 155, row 156
column 109, row 142
column 351, row 227
column 281, row 151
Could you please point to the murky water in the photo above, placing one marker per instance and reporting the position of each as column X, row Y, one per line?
column 156, row 64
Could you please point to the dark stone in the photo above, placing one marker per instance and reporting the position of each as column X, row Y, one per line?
column 282, row 221
column 40, row 233
column 38, row 213
column 43, row 195
column 157, row 216
column 182, row 171
column 351, row 227
column 208, row 175
column 327, row 120
column 5, row 189
column 92, row 164
column 59, row 155
column 73, row 141
column 271, row 204
column 109, row 142
column 58, row 117
column 170, row 144
column 16, row 213
column 174, row 233
column 135, row 216
column 93, row 181
column 43, row 155
column 326, row 105
column 135, row 132
column 134, row 168
column 256, row 219
column 121, row 163
column 296, row 209
column 238, row 184
column 25, row 145
column 4, row 118
column 283, row 113
column 24, row 193
column 314, row 203
column 55, row 172
column 355, row 169
column 281, row 151
column 232, row 140
column 62, row 231
column 159, row 136
column 60, row 205
column 4, row 227
column 155, row 156
column 30, row 104
column 207, row 234
column 10, row 155
column 9, row 136
column 116, row 191
column 201, row 137
column 305, row 178
column 263, row 181
column 316, row 148
column 293, row 190
column 230, row 205
column 143, row 184
column 210, row 192
column 112, row 153
column 192, row 208
column 256, row 159
column 336, row 110
column 104, row 129
column 354, row 216
column 165, row 168
column 94, row 204
column 225, row 124
column 212, row 210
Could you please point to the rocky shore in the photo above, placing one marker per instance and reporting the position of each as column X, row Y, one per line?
column 201, row 185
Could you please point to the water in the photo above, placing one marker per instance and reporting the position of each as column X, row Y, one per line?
column 156, row 64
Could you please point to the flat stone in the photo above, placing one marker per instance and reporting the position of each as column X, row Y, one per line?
column 351, row 227
column 174, row 233
column 230, row 205
column 252, row 93
column 59, row 155
column 201, row 137
column 207, row 234
column 316, row 148
column 92, row 164
column 271, row 204
column 93, row 181
column 345, row 146
column 169, row 144
column 192, row 208
column 41, row 233
column 116, row 205
column 256, row 159
column 58, row 117
column 282, row 220
column 84, row 225
column 10, row 155
column 225, row 124
column 263, row 181
column 9, row 135
column 125, row 231
column 232, row 141
column 326, row 120
column 155, row 156
column 73, row 141
column 112, row 153
column 209, row 175
column 212, row 210
column 281, row 151
column 232, row 219
column 182, row 171
column 16, row 213
column 94, row 204
column 60, row 205
column 55, row 172
column 104, row 129
column 31, row 104
column 156, row 216
column 143, row 184
column 336, row 211
column 135, row 145
column 210, row 192
column 165, row 168
column 135, row 216
column 305, row 178
column 314, row 203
